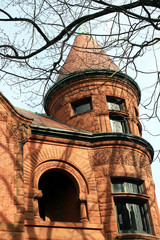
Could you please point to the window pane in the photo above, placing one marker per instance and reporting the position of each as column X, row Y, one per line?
column 116, row 126
column 127, row 186
column 114, row 106
column 131, row 218
column 82, row 108
column 115, row 103
column 123, row 217
column 131, row 187
column 118, row 187
column 131, row 212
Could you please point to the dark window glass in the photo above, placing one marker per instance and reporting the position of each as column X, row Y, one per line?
column 82, row 106
column 132, row 217
column 131, row 211
column 118, row 124
column 115, row 103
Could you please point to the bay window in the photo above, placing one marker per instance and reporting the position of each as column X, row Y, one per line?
column 131, row 206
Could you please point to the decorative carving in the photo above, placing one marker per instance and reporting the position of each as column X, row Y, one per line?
column 119, row 156
column 3, row 116
column 64, row 100
column 133, row 119
column 100, row 158
column 19, row 132
column 33, row 161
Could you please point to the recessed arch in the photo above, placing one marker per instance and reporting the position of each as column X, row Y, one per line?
column 60, row 197
column 35, row 159
column 69, row 170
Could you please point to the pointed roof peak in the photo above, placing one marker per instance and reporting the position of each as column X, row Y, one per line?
column 86, row 53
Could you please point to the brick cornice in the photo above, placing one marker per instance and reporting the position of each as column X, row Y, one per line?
column 92, row 138
column 123, row 78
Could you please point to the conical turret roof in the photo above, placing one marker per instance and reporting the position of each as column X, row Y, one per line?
column 86, row 53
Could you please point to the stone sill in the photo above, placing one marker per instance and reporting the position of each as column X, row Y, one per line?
column 136, row 236
column 86, row 225
column 143, row 197
column 79, row 114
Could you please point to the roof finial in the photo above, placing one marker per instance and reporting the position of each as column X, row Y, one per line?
column 82, row 29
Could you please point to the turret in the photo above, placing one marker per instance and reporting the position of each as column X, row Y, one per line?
column 92, row 94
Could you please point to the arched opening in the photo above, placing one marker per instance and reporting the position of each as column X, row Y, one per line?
column 60, row 198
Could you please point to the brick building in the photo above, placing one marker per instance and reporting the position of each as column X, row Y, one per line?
column 82, row 171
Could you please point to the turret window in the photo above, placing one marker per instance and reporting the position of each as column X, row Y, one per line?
column 114, row 103
column 117, row 116
column 82, row 105
column 118, row 123
column 130, row 203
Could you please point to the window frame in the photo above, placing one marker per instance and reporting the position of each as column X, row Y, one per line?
column 129, row 199
column 144, row 220
column 81, row 102
column 119, row 118
column 115, row 100
column 138, row 183
column 117, row 115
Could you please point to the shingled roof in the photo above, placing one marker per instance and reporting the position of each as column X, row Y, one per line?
column 86, row 53
column 46, row 121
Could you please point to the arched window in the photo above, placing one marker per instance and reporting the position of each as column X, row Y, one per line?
column 60, row 197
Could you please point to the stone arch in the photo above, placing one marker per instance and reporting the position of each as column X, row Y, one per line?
column 77, row 180
column 81, row 169
column 65, row 167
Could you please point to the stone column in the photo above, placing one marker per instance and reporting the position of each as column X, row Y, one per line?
column 83, row 212
column 37, row 196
